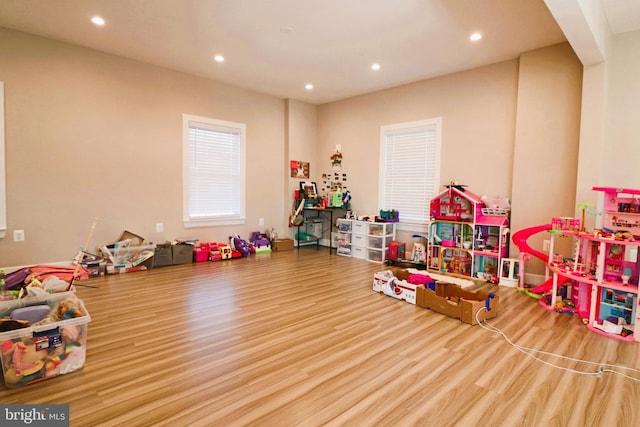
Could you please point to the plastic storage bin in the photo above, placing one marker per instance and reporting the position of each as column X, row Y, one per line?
column 45, row 351
column 182, row 253
column 163, row 255
column 314, row 228
column 201, row 252
column 8, row 306
column 130, row 256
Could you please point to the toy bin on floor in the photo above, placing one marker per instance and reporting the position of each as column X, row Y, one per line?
column 43, row 351
column 314, row 227
column 123, row 259
column 162, row 255
column 182, row 253
column 280, row 245
column 201, row 252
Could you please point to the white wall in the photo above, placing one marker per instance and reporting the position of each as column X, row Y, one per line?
column 90, row 134
column 621, row 151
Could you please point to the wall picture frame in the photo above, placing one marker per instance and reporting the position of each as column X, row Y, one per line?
column 308, row 189
column 299, row 169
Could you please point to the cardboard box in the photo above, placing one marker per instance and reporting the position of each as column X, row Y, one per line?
column 279, row 245
column 459, row 303
column 387, row 283
column 182, row 253
column 44, row 351
column 134, row 238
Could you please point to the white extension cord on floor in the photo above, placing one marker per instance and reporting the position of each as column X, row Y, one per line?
column 600, row 368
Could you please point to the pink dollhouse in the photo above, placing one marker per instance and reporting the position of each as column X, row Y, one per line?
column 468, row 235
column 600, row 279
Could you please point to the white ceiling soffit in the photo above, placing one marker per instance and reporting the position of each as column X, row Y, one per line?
column 588, row 24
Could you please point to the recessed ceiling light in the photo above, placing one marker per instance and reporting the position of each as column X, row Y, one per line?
column 308, row 86
column 218, row 58
column 97, row 21
column 475, row 37
column 375, row 67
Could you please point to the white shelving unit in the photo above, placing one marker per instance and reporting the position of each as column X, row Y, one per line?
column 365, row 239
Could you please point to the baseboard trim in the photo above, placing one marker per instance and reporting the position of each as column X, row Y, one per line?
column 8, row 270
column 534, row 279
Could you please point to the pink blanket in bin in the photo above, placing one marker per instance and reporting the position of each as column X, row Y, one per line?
column 41, row 272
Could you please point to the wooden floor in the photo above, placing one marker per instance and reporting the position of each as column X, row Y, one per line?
column 299, row 338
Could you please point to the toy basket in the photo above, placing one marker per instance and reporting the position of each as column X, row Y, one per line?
column 41, row 352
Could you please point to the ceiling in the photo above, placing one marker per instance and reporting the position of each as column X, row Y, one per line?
column 278, row 46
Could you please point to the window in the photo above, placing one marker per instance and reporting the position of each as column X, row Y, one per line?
column 410, row 168
column 213, row 172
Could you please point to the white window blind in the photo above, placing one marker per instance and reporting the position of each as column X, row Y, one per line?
column 410, row 168
column 214, row 190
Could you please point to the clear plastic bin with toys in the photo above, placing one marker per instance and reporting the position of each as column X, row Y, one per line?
column 42, row 338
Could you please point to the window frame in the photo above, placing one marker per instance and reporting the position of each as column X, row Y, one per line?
column 434, row 124
column 215, row 124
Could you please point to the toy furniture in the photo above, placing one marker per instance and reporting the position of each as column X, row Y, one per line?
column 396, row 250
column 468, row 235
column 509, row 269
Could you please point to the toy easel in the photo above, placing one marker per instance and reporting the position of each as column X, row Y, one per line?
column 81, row 254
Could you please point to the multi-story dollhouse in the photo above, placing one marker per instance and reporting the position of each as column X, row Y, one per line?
column 599, row 281
column 467, row 235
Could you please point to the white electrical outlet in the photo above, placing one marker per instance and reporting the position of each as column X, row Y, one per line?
column 18, row 235
column 159, row 227
column 261, row 221
column 546, row 244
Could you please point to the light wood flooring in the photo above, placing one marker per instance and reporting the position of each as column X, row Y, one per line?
column 299, row 338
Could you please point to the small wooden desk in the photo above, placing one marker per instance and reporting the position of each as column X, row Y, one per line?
column 327, row 214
